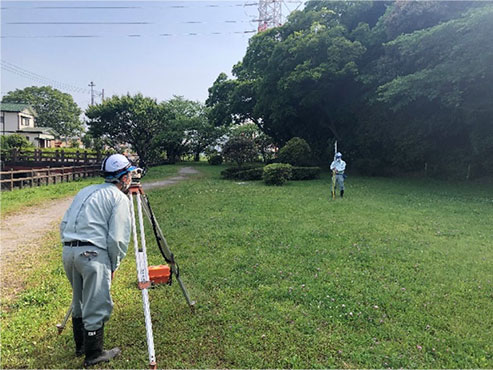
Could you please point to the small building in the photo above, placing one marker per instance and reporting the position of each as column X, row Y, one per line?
column 19, row 118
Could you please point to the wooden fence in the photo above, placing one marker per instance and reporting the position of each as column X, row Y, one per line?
column 44, row 176
column 50, row 158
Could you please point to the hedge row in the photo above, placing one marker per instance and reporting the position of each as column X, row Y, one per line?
column 277, row 173
column 274, row 173
column 251, row 171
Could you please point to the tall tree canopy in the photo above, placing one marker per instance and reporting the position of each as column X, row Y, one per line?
column 155, row 130
column 397, row 83
column 188, row 131
column 54, row 108
column 134, row 120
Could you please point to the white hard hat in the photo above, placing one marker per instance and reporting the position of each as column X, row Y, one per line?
column 338, row 155
column 116, row 165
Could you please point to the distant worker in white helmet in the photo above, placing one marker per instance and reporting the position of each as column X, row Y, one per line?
column 338, row 166
column 95, row 233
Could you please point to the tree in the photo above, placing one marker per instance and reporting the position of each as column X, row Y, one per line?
column 397, row 83
column 90, row 142
column 263, row 142
column 54, row 108
column 240, row 149
column 134, row 120
column 296, row 80
column 445, row 70
column 200, row 133
column 188, row 131
column 15, row 141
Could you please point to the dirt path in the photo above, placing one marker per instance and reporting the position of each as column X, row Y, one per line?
column 26, row 229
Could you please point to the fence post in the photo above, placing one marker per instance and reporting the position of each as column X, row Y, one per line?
column 11, row 179
column 48, row 177
column 32, row 178
column 85, row 157
column 62, row 156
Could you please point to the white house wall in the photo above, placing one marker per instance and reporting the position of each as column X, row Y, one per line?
column 13, row 121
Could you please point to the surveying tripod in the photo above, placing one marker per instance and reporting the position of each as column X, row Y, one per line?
column 137, row 195
column 145, row 281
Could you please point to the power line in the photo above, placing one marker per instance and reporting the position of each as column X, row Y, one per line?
column 129, row 35
column 78, row 23
column 22, row 72
column 127, row 7
column 126, row 23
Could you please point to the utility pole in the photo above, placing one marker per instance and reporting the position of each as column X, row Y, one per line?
column 91, row 85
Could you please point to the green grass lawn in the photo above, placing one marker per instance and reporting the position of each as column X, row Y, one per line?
column 396, row 275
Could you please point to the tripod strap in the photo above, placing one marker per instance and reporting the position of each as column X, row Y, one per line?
column 160, row 242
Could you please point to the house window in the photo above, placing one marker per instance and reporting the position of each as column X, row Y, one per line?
column 25, row 121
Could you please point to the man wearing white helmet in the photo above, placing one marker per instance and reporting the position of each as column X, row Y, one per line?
column 338, row 166
column 95, row 232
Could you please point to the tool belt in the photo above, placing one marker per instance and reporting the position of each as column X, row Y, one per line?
column 77, row 243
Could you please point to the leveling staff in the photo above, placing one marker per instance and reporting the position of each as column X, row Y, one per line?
column 95, row 233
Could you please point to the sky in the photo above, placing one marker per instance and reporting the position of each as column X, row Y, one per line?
column 157, row 48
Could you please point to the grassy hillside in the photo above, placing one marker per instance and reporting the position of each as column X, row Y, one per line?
column 397, row 274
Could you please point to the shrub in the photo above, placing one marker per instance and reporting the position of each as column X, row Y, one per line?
column 296, row 152
column 251, row 175
column 15, row 141
column 215, row 160
column 231, row 172
column 277, row 173
column 305, row 173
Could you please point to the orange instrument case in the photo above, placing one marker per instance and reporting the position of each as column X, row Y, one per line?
column 159, row 274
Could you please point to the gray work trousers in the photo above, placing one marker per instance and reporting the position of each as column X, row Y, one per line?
column 90, row 277
column 340, row 181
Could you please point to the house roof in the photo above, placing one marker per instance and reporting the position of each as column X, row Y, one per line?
column 42, row 130
column 17, row 107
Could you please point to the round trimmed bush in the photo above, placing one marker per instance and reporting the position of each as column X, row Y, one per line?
column 296, row 152
column 277, row 173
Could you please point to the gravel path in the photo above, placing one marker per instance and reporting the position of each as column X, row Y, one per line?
column 27, row 228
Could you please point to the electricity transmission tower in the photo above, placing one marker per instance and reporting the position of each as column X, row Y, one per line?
column 270, row 14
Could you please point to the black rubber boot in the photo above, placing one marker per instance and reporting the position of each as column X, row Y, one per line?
column 93, row 343
column 342, row 193
column 78, row 327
